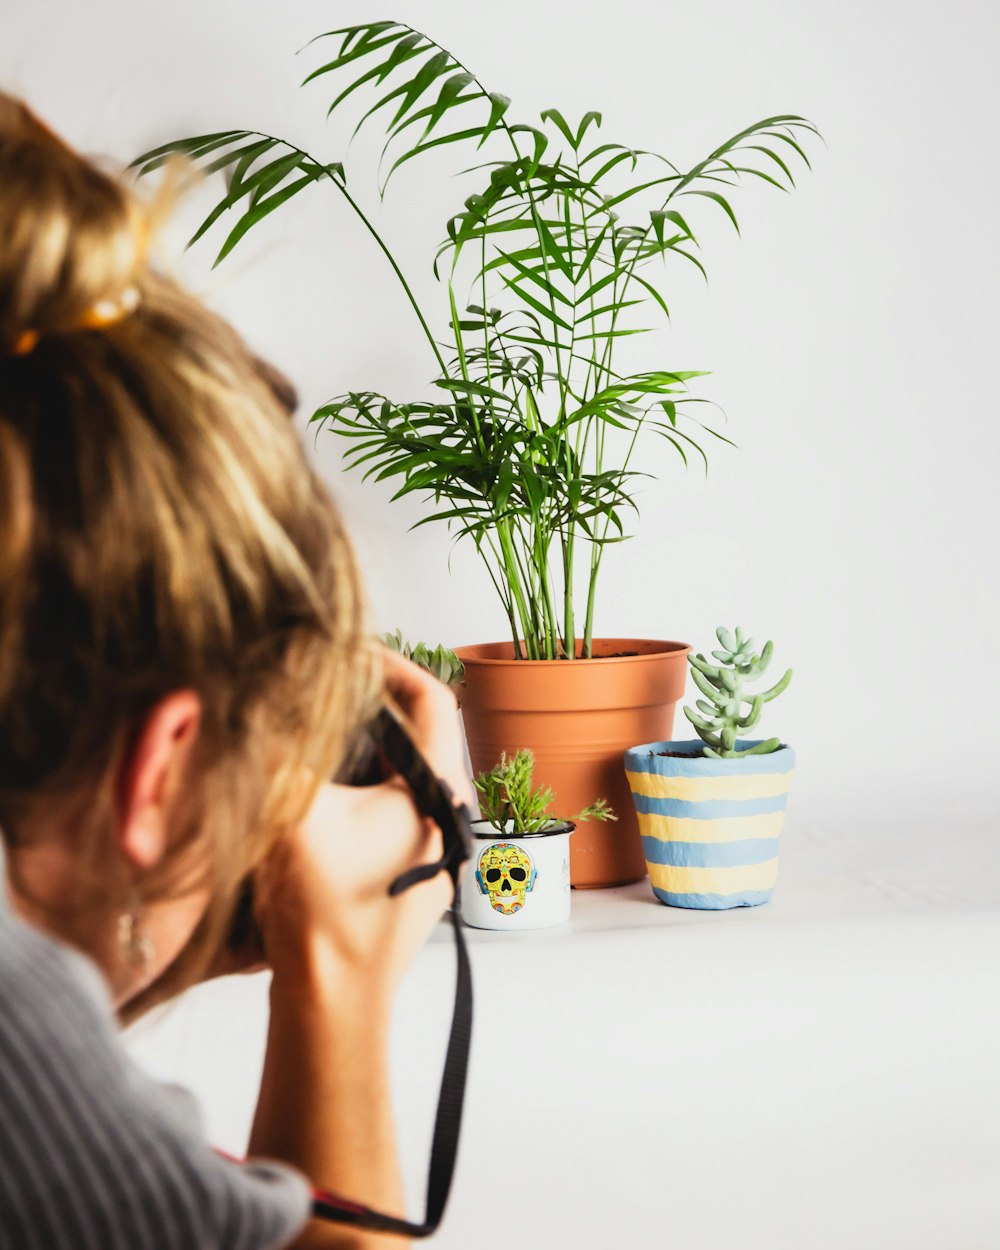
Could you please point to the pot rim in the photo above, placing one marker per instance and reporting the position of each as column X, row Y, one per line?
column 664, row 646
column 782, row 759
column 483, row 831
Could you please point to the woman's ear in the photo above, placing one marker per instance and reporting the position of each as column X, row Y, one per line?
column 152, row 777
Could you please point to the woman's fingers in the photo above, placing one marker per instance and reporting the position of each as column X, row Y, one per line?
column 432, row 711
column 424, row 698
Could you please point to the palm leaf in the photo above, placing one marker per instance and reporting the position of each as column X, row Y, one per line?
column 269, row 185
column 399, row 47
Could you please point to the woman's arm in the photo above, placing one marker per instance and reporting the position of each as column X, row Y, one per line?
column 325, row 1102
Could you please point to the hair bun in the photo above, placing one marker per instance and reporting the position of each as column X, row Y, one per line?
column 71, row 236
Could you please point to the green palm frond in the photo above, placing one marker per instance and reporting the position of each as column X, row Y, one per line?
column 261, row 174
column 428, row 89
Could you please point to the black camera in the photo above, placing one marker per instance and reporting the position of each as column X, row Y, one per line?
column 392, row 745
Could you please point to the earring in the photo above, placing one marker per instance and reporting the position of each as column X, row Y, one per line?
column 135, row 945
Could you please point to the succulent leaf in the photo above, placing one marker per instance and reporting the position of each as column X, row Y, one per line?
column 706, row 685
column 698, row 722
column 753, row 716
column 703, row 666
column 394, row 641
column 777, row 689
column 597, row 811
column 442, row 663
column 727, row 639
column 762, row 748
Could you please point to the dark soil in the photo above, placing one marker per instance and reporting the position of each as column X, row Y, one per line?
column 688, row 755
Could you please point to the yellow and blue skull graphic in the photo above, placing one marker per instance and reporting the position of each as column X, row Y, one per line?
column 507, row 875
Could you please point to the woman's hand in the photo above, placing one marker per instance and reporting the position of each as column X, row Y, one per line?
column 321, row 897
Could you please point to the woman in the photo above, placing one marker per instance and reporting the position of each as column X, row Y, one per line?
column 183, row 655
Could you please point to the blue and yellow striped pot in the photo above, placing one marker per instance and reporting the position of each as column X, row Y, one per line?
column 709, row 827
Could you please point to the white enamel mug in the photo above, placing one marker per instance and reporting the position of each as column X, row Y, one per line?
column 517, row 882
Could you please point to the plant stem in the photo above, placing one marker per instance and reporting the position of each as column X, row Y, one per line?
column 399, row 274
column 588, row 629
column 463, row 369
column 541, row 562
column 569, row 622
column 513, row 577
column 505, row 595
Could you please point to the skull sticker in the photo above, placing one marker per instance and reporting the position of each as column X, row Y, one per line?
column 506, row 874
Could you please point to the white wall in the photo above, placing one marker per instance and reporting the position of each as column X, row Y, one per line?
column 851, row 332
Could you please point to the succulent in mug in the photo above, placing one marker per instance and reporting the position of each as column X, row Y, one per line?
column 720, row 717
column 509, row 800
column 442, row 663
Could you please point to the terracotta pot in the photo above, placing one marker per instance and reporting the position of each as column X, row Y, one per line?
column 578, row 717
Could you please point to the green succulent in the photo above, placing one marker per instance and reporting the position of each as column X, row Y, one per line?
column 722, row 718
column 444, row 664
column 508, row 797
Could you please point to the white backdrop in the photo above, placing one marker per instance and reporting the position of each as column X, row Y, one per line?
column 851, row 333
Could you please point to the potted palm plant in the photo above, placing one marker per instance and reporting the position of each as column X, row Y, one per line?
column 527, row 445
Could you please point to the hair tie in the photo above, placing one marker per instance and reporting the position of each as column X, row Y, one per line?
column 25, row 343
column 104, row 313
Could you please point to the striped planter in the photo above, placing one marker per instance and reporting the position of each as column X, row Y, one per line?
column 709, row 827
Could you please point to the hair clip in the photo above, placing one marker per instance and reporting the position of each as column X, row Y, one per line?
column 104, row 313
column 107, row 311
column 26, row 342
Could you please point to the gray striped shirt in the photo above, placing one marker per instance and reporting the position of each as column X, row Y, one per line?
column 93, row 1154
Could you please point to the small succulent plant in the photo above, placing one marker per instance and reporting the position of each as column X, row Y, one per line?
column 509, row 800
column 444, row 664
column 722, row 717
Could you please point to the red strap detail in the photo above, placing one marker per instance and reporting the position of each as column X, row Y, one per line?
column 320, row 1195
column 224, row 1154
column 342, row 1204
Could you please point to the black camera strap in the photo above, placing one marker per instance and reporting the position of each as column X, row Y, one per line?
column 448, row 1121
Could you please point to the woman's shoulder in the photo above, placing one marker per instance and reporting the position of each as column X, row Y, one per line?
column 128, row 1154
column 35, row 966
column 58, row 1034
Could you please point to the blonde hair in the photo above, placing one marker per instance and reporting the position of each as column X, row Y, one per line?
column 160, row 529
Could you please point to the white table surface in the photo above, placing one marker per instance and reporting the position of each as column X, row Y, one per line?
column 814, row 1074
